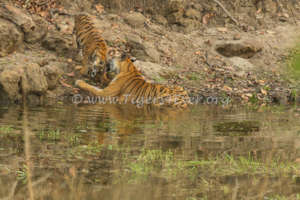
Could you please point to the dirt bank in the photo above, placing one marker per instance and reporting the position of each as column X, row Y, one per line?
column 212, row 48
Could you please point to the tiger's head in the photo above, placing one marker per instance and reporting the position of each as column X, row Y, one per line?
column 98, row 61
column 121, row 64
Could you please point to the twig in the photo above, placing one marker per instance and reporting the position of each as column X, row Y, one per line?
column 227, row 12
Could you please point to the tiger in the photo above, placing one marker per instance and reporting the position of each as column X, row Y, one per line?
column 129, row 85
column 92, row 47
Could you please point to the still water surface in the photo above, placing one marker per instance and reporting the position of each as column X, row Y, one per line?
column 121, row 152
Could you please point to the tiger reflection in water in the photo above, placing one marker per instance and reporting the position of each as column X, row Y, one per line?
column 128, row 120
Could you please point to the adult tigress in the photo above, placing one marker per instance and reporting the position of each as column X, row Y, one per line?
column 91, row 45
column 129, row 85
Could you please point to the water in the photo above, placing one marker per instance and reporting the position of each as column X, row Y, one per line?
column 120, row 152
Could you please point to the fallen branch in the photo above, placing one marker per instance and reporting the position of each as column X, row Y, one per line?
column 227, row 12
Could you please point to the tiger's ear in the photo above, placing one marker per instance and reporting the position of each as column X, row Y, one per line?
column 132, row 59
column 124, row 56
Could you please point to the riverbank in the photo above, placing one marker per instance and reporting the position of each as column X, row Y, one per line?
column 237, row 52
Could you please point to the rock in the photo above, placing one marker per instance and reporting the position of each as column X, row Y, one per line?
column 142, row 50
column 151, row 70
column 11, row 38
column 52, row 73
column 283, row 19
column 197, row 6
column 33, row 79
column 157, row 29
column 244, row 49
column 175, row 18
column 32, row 32
column 242, row 66
column 39, row 31
column 61, row 43
column 22, row 78
column 181, row 19
column 279, row 97
column 237, row 36
column 78, row 6
column 113, row 17
column 175, row 6
column 192, row 14
column 270, row 6
column 152, row 53
column 190, row 25
column 135, row 19
column 9, row 86
column 58, row 94
column 160, row 19
column 134, row 41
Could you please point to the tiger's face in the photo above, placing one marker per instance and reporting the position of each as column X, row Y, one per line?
column 98, row 64
column 121, row 64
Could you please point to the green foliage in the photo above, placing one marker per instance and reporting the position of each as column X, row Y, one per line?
column 6, row 129
column 86, row 150
column 22, row 174
column 50, row 135
column 253, row 99
column 294, row 63
column 153, row 162
column 193, row 76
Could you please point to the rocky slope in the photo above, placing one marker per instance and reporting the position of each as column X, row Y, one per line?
column 213, row 49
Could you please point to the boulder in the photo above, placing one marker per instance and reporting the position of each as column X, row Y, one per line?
column 142, row 50
column 151, row 53
column 175, row 18
column 9, row 86
column 160, row 19
column 11, row 38
column 34, row 29
column 280, row 96
column 62, row 44
column 39, row 30
column 189, row 25
column 152, row 71
column 23, row 78
column 192, row 14
column 243, row 49
column 135, row 19
column 52, row 73
column 175, row 6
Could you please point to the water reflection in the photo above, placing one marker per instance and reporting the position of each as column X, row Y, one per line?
column 121, row 152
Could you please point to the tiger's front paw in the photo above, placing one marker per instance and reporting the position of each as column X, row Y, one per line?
column 82, row 70
column 78, row 83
